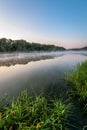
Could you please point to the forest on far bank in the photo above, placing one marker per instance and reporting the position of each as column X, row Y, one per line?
column 9, row 45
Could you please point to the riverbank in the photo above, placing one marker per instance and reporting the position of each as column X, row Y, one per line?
column 79, row 80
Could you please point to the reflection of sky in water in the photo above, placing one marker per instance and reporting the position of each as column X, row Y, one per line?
column 37, row 75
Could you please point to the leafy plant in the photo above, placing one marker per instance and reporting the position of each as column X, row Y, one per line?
column 26, row 113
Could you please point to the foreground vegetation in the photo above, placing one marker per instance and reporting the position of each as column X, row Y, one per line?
column 8, row 45
column 25, row 113
column 79, row 80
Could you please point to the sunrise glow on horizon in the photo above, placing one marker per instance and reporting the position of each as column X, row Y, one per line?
column 59, row 22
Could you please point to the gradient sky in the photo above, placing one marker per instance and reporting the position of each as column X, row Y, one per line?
column 59, row 22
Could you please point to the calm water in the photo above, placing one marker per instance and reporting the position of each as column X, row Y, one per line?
column 39, row 73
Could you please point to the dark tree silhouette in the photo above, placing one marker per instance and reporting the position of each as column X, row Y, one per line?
column 8, row 45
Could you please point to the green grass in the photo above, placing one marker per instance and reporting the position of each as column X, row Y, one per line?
column 79, row 80
column 26, row 113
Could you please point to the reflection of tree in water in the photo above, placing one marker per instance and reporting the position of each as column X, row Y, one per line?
column 8, row 59
column 9, row 62
column 15, row 58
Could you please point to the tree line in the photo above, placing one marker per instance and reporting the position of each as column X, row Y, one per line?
column 8, row 45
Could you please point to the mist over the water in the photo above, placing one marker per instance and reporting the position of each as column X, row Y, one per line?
column 19, row 55
column 35, row 70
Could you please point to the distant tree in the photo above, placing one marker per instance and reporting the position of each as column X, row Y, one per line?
column 8, row 45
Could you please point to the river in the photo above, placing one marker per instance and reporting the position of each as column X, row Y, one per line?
column 37, row 72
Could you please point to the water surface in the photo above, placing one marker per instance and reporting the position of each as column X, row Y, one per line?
column 39, row 74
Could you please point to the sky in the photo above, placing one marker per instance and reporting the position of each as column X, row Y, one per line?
column 59, row 22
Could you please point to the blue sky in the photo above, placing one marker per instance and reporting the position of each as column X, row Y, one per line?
column 59, row 22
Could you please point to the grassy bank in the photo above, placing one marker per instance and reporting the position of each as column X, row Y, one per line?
column 79, row 80
column 25, row 113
